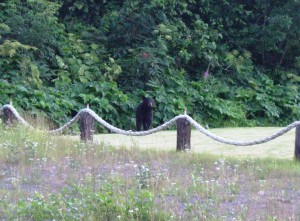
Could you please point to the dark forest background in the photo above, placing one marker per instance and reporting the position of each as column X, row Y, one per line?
column 228, row 62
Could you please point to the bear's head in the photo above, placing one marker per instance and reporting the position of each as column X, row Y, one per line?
column 148, row 102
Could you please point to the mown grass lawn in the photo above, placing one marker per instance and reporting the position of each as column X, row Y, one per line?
column 45, row 177
column 281, row 147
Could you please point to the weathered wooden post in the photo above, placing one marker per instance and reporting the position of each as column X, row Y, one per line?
column 86, row 126
column 183, row 134
column 8, row 116
column 297, row 143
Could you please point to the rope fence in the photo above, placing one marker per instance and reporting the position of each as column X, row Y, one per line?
column 183, row 122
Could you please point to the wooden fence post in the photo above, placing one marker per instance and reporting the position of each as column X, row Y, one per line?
column 183, row 135
column 86, row 127
column 297, row 143
column 8, row 117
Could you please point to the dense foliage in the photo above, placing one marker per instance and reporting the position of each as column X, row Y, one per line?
column 229, row 63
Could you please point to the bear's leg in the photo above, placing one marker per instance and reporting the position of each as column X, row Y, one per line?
column 147, row 121
column 139, row 122
column 145, row 125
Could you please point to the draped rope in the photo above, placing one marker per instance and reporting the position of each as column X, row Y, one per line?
column 15, row 113
column 157, row 129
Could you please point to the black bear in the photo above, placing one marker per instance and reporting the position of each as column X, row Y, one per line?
column 144, row 114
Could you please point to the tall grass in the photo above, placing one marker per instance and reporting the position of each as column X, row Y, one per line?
column 45, row 177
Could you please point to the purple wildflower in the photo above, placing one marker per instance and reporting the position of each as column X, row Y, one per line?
column 205, row 75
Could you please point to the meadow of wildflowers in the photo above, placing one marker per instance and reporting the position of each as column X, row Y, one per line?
column 45, row 177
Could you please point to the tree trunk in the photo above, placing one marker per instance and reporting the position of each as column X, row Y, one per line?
column 86, row 127
column 183, row 135
column 286, row 48
column 297, row 143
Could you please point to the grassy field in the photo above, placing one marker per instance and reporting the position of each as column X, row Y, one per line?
column 45, row 177
column 281, row 147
